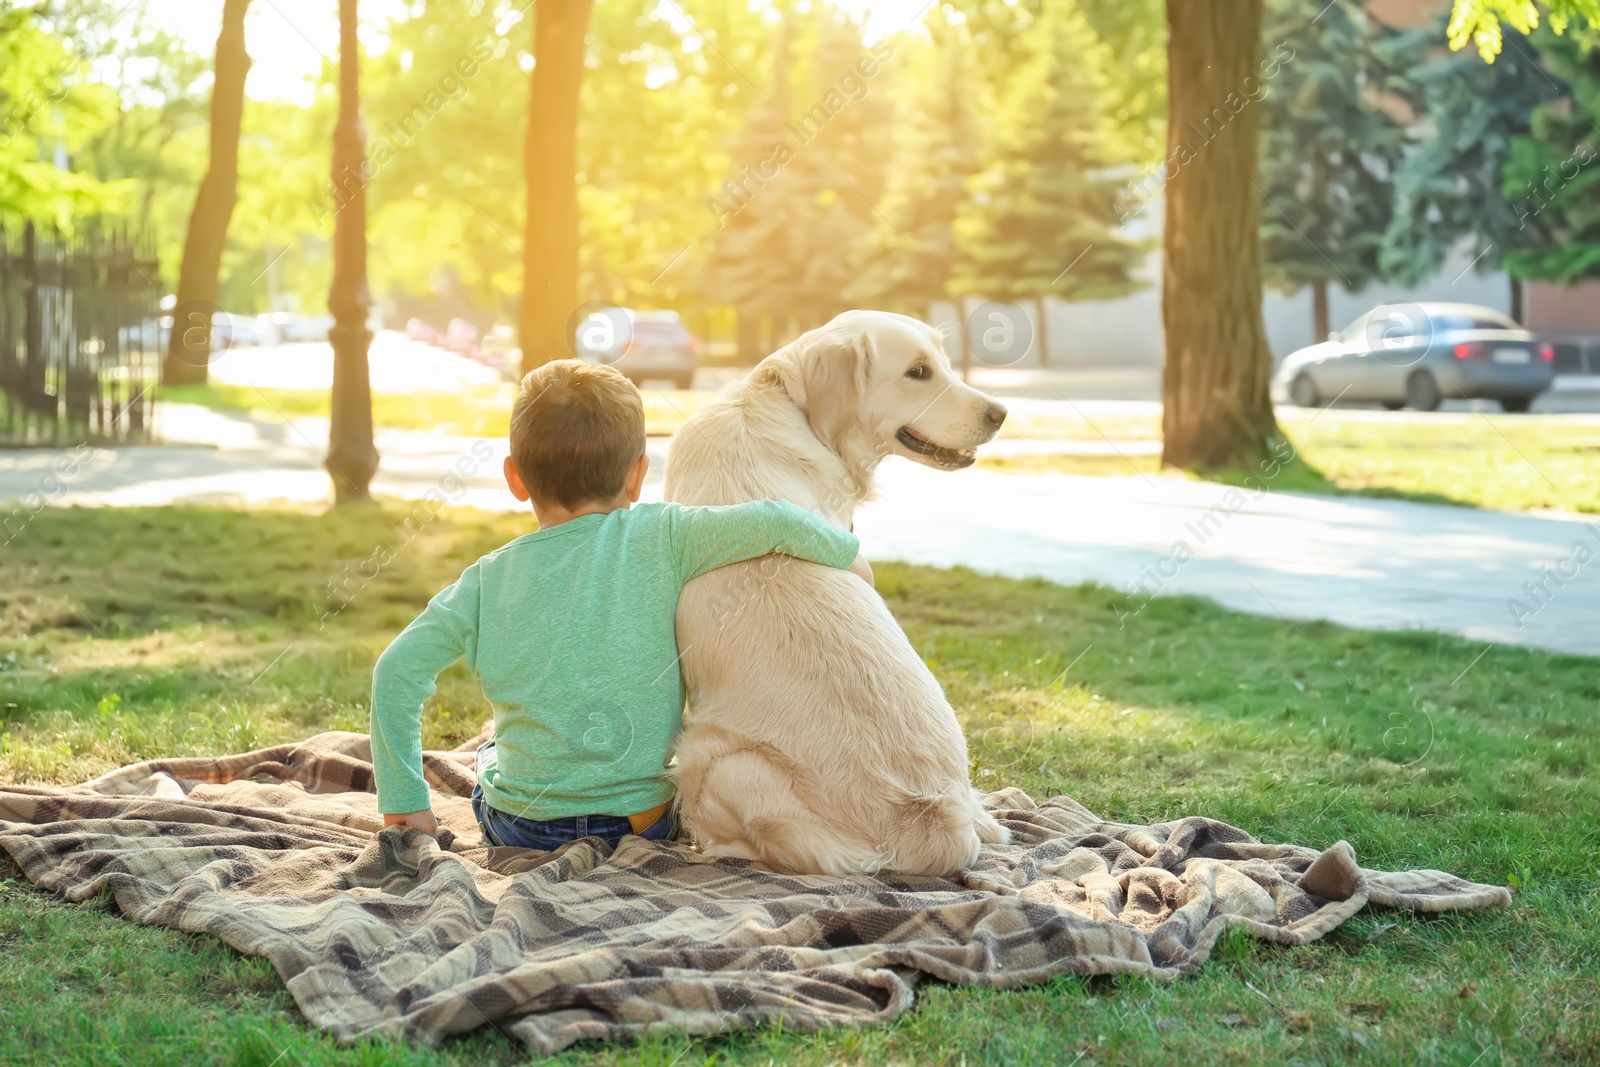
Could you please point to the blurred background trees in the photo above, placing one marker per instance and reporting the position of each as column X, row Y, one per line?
column 1329, row 151
column 759, row 166
column 987, row 150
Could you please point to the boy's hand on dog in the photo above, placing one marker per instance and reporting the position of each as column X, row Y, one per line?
column 423, row 820
column 861, row 569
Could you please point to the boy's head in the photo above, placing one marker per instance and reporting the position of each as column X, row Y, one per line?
column 577, row 430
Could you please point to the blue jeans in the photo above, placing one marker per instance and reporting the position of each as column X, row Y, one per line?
column 547, row 835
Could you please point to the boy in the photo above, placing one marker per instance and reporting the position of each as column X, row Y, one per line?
column 570, row 629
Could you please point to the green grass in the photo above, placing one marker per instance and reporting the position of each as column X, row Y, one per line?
column 473, row 411
column 130, row 634
column 1509, row 463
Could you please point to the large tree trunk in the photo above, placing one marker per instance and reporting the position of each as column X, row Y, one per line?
column 189, row 342
column 1320, row 326
column 352, row 458
column 550, row 276
column 1216, row 408
column 1517, row 305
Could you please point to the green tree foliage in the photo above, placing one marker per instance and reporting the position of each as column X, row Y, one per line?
column 1046, row 202
column 450, row 88
column 50, row 112
column 677, row 100
column 910, row 254
column 805, row 176
column 1450, row 186
column 1552, row 178
column 1328, row 151
column 1478, row 21
column 1135, row 103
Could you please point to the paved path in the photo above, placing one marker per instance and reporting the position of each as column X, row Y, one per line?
column 1363, row 562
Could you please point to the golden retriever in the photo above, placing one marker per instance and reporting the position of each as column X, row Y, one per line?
column 815, row 738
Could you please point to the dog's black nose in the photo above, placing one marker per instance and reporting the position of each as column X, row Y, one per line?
column 996, row 415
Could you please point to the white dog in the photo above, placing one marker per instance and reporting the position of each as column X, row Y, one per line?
column 815, row 738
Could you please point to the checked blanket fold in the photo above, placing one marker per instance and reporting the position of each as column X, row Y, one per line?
column 393, row 933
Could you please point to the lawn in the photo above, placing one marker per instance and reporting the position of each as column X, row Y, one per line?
column 472, row 411
column 130, row 634
column 1509, row 463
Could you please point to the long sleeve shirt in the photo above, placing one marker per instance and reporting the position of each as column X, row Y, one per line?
column 570, row 630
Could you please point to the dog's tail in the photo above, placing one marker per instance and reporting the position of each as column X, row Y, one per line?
column 933, row 833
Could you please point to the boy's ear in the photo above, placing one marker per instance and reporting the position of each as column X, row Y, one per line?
column 514, row 481
column 634, row 484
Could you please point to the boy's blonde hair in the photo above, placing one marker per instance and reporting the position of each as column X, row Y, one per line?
column 576, row 429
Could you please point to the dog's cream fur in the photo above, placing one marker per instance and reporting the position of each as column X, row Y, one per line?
column 815, row 738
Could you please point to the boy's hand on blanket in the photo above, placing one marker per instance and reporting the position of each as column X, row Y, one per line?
column 423, row 820
column 861, row 569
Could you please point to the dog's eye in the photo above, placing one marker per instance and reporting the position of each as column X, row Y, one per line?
column 920, row 372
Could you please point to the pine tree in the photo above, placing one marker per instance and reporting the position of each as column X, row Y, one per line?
column 910, row 255
column 1450, row 186
column 802, row 184
column 838, row 173
column 1328, row 153
column 1043, row 212
column 756, row 222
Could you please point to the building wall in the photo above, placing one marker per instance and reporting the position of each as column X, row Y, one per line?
column 1554, row 309
column 1127, row 332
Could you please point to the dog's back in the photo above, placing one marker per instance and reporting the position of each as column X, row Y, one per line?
column 815, row 739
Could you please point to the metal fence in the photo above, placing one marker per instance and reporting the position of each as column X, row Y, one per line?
column 79, row 337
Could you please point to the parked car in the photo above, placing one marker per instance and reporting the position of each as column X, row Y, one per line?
column 1416, row 355
column 461, row 337
column 644, row 345
column 418, row 330
column 284, row 327
column 232, row 331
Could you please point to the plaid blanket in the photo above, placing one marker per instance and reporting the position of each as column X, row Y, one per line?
column 394, row 933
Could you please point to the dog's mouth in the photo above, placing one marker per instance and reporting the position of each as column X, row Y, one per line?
column 949, row 458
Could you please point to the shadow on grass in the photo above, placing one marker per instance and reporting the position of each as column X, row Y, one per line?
column 1300, row 475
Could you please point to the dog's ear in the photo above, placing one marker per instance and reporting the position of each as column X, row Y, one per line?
column 826, row 374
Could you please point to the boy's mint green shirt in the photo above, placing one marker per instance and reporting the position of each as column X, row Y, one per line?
column 571, row 631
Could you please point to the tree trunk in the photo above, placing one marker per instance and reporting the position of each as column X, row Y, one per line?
column 1319, row 311
column 189, row 341
column 550, row 277
column 1518, row 289
column 352, row 458
column 1216, row 408
column 1044, row 332
column 747, row 331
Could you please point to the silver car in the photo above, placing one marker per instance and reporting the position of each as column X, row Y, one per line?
column 1416, row 355
column 644, row 345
